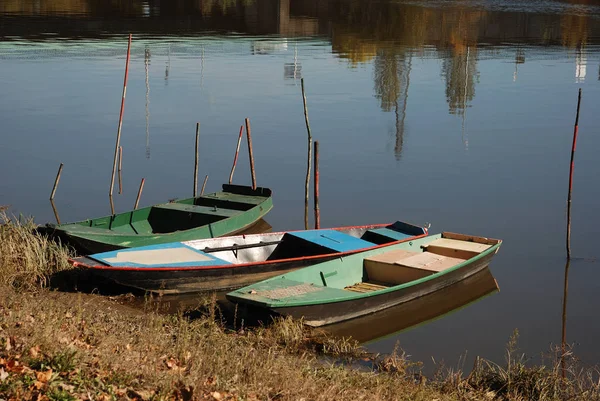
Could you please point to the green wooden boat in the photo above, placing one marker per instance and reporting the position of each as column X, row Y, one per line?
column 364, row 283
column 227, row 212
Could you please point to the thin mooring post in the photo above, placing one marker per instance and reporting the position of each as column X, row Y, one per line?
column 204, row 185
column 114, row 169
column 575, row 129
column 56, row 180
column 237, row 151
column 120, row 168
column 306, row 189
column 563, row 343
column 55, row 211
column 139, row 195
column 248, row 134
column 317, row 211
column 196, row 160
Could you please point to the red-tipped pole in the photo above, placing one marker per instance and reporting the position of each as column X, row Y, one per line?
column 317, row 212
column 575, row 129
column 250, row 153
column 139, row 195
column 237, row 151
column 112, row 177
column 563, row 343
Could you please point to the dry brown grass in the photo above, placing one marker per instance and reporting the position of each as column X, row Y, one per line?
column 98, row 349
column 27, row 260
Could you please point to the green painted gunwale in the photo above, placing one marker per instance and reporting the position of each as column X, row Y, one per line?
column 340, row 295
column 118, row 230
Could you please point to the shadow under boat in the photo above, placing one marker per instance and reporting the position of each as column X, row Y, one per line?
column 418, row 311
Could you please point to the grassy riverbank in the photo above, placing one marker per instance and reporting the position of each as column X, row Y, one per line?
column 72, row 346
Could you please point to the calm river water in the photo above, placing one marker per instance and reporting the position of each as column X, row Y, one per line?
column 457, row 113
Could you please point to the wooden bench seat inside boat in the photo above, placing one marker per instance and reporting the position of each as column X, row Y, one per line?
column 367, row 287
column 400, row 266
column 182, row 207
column 455, row 248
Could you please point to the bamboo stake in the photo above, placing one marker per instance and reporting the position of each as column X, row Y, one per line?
column 196, row 160
column 250, row 153
column 120, row 168
column 112, row 177
column 306, row 189
column 317, row 211
column 237, row 151
column 56, row 180
column 575, row 129
column 563, row 346
column 204, row 185
column 139, row 195
column 55, row 211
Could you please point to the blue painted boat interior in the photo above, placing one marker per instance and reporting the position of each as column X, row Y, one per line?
column 334, row 240
column 161, row 255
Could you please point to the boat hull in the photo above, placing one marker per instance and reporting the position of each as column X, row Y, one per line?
column 104, row 234
column 335, row 312
column 202, row 280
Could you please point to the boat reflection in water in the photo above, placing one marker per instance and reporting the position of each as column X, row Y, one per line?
column 418, row 311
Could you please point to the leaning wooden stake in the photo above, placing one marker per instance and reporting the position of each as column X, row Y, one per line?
column 317, row 212
column 55, row 211
column 237, row 151
column 120, row 168
column 114, row 169
column 306, row 189
column 56, row 180
column 575, row 129
column 139, row 195
column 248, row 134
column 204, row 185
column 196, row 160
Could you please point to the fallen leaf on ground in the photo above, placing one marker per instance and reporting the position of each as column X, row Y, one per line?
column 3, row 375
column 216, row 395
column 34, row 351
column 44, row 377
column 143, row 394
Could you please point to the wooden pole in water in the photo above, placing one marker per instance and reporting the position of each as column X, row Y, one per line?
column 575, row 129
column 120, row 168
column 112, row 177
column 139, row 195
column 204, row 185
column 317, row 211
column 563, row 346
column 55, row 211
column 248, row 134
column 56, row 180
column 196, row 160
column 306, row 189
column 237, row 151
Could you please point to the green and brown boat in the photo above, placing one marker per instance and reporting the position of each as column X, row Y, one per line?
column 227, row 212
column 367, row 282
